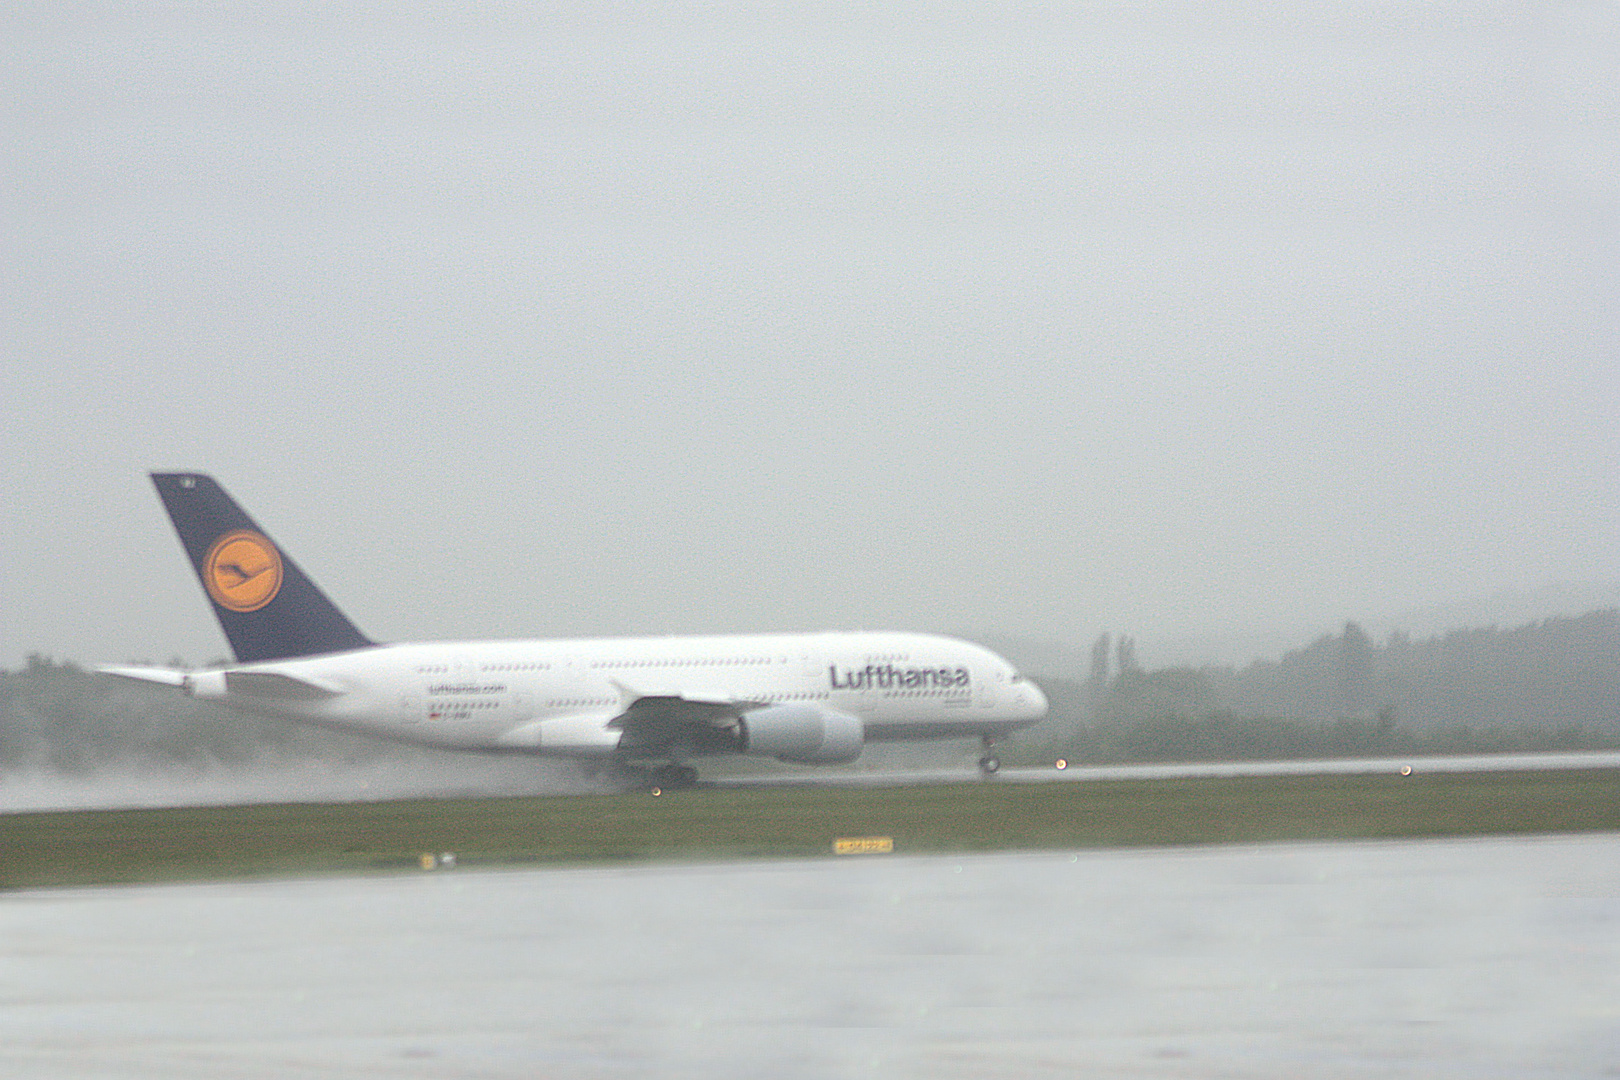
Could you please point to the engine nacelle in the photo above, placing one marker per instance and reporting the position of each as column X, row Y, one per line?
column 806, row 733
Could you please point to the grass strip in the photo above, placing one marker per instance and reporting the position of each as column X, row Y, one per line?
column 234, row 842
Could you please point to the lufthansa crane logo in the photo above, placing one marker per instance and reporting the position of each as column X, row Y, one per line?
column 242, row 571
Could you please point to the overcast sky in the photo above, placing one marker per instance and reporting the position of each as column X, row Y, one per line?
column 1177, row 319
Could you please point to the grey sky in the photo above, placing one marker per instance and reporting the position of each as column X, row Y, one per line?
column 1177, row 319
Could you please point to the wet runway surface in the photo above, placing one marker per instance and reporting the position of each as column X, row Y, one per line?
column 1594, row 759
column 473, row 776
column 1478, row 958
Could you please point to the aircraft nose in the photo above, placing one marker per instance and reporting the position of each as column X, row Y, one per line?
column 1033, row 699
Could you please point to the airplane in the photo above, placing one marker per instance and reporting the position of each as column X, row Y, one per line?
column 645, row 706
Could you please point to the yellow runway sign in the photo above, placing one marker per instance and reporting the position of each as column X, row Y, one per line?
column 863, row 845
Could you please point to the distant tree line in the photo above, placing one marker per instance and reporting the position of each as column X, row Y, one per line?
column 59, row 718
column 1550, row 685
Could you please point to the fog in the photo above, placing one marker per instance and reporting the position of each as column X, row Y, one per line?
column 126, row 785
column 73, row 740
column 1194, row 321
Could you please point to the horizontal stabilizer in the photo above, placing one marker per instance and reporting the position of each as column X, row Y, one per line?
column 157, row 676
column 211, row 682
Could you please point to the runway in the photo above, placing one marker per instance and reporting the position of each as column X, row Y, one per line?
column 1075, row 772
column 1468, row 959
column 469, row 775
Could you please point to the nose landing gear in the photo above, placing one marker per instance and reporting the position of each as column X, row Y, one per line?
column 989, row 763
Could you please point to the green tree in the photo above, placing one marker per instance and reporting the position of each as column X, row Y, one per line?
column 1355, row 670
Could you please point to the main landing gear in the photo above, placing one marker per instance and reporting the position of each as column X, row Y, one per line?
column 674, row 777
column 625, row 777
column 989, row 763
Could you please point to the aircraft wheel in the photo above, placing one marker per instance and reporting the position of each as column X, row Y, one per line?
column 989, row 765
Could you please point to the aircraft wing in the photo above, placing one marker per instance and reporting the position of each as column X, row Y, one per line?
column 645, row 725
column 657, row 723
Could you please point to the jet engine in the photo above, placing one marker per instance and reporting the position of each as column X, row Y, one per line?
column 806, row 733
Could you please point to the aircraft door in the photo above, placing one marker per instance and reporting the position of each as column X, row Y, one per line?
column 984, row 688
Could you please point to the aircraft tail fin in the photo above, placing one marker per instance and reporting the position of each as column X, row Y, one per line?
column 268, row 609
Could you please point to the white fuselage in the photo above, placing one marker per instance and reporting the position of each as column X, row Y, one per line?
column 560, row 696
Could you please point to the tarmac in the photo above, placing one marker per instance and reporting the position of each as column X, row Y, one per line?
column 1061, row 771
column 460, row 775
column 1474, row 958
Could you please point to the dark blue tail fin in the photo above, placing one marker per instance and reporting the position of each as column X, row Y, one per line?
column 267, row 607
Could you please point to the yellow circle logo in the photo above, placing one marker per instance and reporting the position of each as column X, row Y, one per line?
column 242, row 571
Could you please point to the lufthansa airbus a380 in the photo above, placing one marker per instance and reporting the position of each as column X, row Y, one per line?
column 650, row 704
